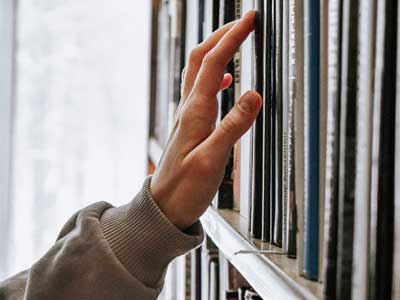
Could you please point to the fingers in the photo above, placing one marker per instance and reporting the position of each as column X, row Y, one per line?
column 197, row 55
column 214, row 63
column 234, row 125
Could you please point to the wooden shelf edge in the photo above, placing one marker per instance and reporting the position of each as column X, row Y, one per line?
column 265, row 277
column 155, row 151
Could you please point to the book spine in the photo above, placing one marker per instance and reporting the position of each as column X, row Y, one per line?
column 246, row 83
column 322, row 145
column 257, row 209
column 385, row 93
column 225, row 192
column 277, row 234
column 293, row 96
column 347, row 144
column 366, row 40
column 332, row 151
column 299, row 133
column 311, row 138
column 396, row 246
column 272, row 126
column 237, row 91
column 285, row 123
column 266, row 52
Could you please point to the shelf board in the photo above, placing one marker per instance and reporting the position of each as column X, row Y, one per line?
column 272, row 275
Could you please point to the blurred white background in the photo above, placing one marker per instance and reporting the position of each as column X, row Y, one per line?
column 79, row 130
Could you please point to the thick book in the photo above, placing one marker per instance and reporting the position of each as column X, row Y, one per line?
column 311, row 137
column 225, row 192
column 246, row 83
column 299, row 133
column 277, row 233
column 347, row 150
column 237, row 93
column 285, row 121
column 332, row 150
column 383, row 171
column 366, row 38
column 257, row 195
column 266, row 52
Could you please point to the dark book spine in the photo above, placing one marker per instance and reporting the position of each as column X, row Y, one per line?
column 195, row 274
column 396, row 246
column 225, row 192
column 366, row 37
column 257, row 175
column 348, row 114
column 277, row 236
column 267, row 114
column 291, row 196
column 385, row 93
column 332, row 150
column 311, row 140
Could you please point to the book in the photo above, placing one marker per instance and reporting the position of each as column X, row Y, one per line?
column 285, row 123
column 347, row 142
column 246, row 83
column 299, row 133
column 293, row 96
column 162, row 103
column 383, row 181
column 227, row 101
column 332, row 150
column 195, row 274
column 322, row 133
column 214, row 279
column 277, row 233
column 266, row 52
column 209, row 253
column 396, row 246
column 257, row 195
column 237, row 94
column 270, row 124
column 192, row 27
column 365, row 88
column 311, row 137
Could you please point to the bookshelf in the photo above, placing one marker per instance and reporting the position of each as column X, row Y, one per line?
column 272, row 275
column 309, row 204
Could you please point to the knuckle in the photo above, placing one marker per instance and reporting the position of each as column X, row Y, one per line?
column 196, row 55
column 228, row 125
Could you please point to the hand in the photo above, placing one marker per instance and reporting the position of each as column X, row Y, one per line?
column 192, row 166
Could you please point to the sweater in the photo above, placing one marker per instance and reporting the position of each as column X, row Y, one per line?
column 107, row 253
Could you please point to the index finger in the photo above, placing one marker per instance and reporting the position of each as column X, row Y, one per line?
column 212, row 69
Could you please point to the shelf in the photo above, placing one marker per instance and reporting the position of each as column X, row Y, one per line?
column 273, row 276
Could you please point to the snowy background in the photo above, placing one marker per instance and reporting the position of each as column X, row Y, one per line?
column 80, row 117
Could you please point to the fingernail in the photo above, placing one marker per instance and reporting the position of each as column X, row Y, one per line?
column 249, row 103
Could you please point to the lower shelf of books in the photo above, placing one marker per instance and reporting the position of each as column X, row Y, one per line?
column 272, row 274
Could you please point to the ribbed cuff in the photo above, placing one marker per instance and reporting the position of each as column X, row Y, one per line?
column 144, row 240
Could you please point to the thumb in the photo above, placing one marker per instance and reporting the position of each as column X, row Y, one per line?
column 235, row 123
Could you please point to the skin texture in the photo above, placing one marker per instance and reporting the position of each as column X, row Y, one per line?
column 192, row 166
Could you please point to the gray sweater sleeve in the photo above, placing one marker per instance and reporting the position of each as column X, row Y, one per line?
column 107, row 253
